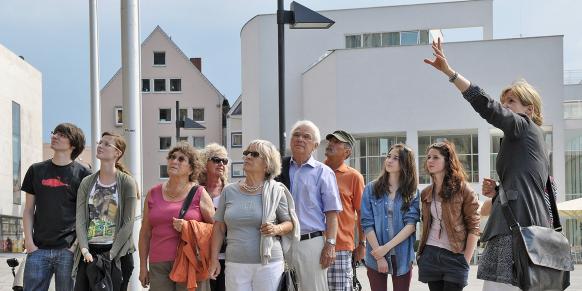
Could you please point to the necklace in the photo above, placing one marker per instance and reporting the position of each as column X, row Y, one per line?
column 250, row 189
column 176, row 193
column 437, row 213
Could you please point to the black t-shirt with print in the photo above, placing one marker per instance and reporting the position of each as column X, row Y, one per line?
column 55, row 190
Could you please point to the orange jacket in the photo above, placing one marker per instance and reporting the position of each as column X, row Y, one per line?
column 193, row 256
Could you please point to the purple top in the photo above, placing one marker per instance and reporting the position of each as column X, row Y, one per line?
column 314, row 189
column 165, row 239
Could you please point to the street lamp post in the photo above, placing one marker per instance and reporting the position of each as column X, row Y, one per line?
column 299, row 17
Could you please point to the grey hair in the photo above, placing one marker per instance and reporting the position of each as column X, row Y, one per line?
column 311, row 126
column 209, row 151
column 269, row 153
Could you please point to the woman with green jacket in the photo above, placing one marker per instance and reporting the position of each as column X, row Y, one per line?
column 106, row 202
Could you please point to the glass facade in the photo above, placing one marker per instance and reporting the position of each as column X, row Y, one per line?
column 11, row 234
column 573, row 151
column 467, row 150
column 16, row 154
column 395, row 38
column 369, row 154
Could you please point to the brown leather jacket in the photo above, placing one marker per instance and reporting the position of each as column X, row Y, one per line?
column 460, row 217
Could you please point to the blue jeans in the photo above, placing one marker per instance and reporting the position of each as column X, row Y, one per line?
column 42, row 264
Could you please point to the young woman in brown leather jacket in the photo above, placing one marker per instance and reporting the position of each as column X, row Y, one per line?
column 450, row 222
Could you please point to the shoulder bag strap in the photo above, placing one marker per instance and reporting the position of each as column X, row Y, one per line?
column 506, row 209
column 553, row 206
column 187, row 201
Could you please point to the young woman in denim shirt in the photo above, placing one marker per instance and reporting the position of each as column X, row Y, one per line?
column 450, row 221
column 390, row 212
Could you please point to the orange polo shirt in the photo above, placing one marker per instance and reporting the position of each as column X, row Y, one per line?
column 350, row 184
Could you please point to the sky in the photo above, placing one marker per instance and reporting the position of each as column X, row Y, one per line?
column 53, row 36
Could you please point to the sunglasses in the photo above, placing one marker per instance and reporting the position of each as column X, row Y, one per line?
column 252, row 153
column 180, row 159
column 218, row 160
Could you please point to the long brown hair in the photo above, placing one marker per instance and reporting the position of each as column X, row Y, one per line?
column 455, row 175
column 119, row 143
column 408, row 177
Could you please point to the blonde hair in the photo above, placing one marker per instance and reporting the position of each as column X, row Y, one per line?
column 269, row 153
column 212, row 150
column 527, row 95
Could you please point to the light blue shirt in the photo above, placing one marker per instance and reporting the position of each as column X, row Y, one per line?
column 314, row 189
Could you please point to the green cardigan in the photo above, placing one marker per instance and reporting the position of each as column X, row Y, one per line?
column 123, row 241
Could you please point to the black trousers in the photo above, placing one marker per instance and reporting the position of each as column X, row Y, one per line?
column 119, row 278
column 218, row 284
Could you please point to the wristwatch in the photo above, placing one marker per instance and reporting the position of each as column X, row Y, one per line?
column 330, row 241
column 363, row 243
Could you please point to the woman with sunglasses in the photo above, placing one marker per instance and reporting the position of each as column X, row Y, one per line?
column 106, row 202
column 259, row 215
column 160, row 229
column 214, row 177
column 450, row 221
column 522, row 166
column 389, row 216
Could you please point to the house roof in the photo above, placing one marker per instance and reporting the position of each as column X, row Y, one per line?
column 169, row 39
column 236, row 108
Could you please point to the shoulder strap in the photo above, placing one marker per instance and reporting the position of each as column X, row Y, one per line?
column 553, row 206
column 506, row 209
column 187, row 201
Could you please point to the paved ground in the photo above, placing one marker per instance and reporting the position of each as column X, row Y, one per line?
column 474, row 284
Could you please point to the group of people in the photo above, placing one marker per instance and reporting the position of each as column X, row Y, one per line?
column 315, row 217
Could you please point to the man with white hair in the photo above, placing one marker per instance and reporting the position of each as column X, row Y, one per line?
column 314, row 188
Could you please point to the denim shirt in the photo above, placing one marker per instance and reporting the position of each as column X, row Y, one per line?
column 374, row 218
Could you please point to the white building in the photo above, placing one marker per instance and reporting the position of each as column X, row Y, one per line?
column 168, row 75
column 366, row 75
column 234, row 139
column 20, row 139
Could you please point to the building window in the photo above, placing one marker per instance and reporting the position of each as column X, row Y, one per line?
column 16, row 154
column 237, row 170
column 424, row 37
column 175, row 85
column 353, row 41
column 165, row 143
column 165, row 115
column 573, row 164
column 409, row 38
column 372, row 40
column 198, row 114
column 145, row 85
column 198, row 142
column 160, row 85
column 183, row 113
column 466, row 147
column 118, row 116
column 164, row 172
column 369, row 153
column 11, row 235
column 390, row 38
column 573, row 110
column 236, row 140
column 159, row 58
column 184, row 138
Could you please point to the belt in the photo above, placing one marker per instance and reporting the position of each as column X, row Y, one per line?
column 311, row 235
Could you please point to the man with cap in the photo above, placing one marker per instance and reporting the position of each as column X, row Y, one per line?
column 351, row 186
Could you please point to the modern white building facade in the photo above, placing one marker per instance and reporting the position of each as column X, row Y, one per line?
column 20, row 140
column 168, row 75
column 234, row 140
column 366, row 75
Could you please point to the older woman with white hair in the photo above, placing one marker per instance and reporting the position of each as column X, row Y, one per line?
column 259, row 215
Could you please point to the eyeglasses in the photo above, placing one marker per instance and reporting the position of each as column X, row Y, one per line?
column 218, row 160
column 107, row 145
column 180, row 159
column 252, row 153
column 304, row 135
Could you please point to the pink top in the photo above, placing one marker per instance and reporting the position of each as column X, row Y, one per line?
column 164, row 240
column 437, row 235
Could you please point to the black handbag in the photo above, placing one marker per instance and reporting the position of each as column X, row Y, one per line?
column 541, row 255
column 288, row 280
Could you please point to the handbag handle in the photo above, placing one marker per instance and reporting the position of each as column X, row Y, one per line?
column 510, row 218
column 187, row 202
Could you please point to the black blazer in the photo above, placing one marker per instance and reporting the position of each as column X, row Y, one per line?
column 284, row 177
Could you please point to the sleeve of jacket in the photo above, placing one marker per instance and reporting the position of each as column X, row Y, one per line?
column 367, row 218
column 512, row 124
column 412, row 216
column 81, row 215
column 129, row 200
column 470, row 211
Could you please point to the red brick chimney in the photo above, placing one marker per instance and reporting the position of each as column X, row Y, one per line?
column 197, row 62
